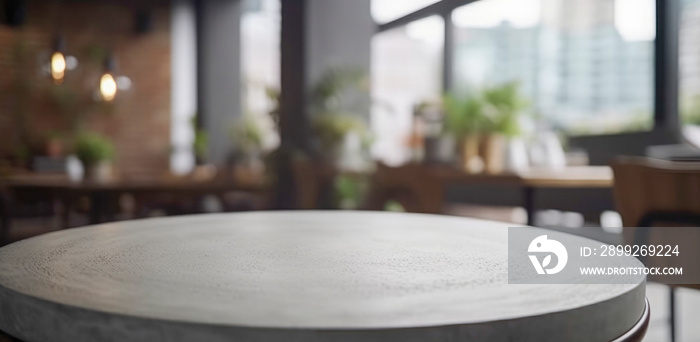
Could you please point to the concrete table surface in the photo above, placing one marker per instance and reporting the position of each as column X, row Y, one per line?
column 294, row 276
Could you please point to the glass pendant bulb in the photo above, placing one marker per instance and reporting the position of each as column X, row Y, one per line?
column 108, row 87
column 58, row 63
column 58, row 67
column 108, row 82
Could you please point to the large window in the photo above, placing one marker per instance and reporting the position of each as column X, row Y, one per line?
column 260, row 63
column 586, row 66
column 689, row 58
column 260, row 53
column 387, row 10
column 406, row 70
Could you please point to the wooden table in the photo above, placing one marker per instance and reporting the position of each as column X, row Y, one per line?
column 67, row 191
column 428, row 184
column 296, row 276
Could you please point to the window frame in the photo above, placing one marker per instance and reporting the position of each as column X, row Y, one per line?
column 665, row 109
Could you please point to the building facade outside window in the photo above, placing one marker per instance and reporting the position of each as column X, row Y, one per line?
column 585, row 66
column 689, row 62
column 260, row 61
column 406, row 70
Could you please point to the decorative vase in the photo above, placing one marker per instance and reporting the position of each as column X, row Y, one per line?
column 493, row 152
column 74, row 168
column 351, row 156
column 546, row 151
column 444, row 150
column 472, row 161
column 516, row 156
column 97, row 172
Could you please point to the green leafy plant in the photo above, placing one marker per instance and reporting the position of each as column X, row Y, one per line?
column 394, row 206
column 273, row 96
column 350, row 191
column 327, row 94
column 247, row 135
column 92, row 148
column 332, row 118
column 494, row 110
column 331, row 129
column 463, row 117
column 503, row 106
column 200, row 144
column 690, row 109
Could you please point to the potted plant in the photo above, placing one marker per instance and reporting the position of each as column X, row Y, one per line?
column 350, row 191
column 332, row 129
column 503, row 107
column 333, row 118
column 200, row 143
column 464, row 119
column 249, row 136
column 95, row 152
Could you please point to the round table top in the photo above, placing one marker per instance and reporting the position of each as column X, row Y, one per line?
column 285, row 275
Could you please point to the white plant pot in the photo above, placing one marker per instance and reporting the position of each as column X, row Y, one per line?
column 516, row 156
column 546, row 151
column 74, row 168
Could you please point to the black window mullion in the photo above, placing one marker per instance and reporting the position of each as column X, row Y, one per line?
column 438, row 8
column 448, row 54
column 666, row 113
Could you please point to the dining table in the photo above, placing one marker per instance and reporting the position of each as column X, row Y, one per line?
column 297, row 276
column 102, row 194
column 428, row 185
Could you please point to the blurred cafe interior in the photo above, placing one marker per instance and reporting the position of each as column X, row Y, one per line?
column 580, row 116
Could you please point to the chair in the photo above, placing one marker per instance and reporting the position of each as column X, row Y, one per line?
column 412, row 186
column 652, row 192
column 314, row 183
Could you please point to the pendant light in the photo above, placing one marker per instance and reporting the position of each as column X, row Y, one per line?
column 110, row 83
column 59, row 63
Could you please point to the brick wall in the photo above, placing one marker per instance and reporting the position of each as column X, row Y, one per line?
column 138, row 122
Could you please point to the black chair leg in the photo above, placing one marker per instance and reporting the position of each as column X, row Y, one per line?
column 5, row 221
column 672, row 312
column 4, row 230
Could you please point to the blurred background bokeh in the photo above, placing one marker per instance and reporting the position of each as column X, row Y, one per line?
column 509, row 110
column 175, row 107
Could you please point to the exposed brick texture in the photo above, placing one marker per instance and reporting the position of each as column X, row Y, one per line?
column 138, row 122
